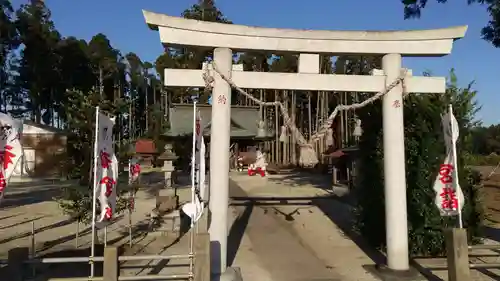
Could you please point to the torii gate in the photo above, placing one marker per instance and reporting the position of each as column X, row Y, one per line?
column 392, row 45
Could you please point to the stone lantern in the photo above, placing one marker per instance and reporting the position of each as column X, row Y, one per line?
column 168, row 168
column 167, row 199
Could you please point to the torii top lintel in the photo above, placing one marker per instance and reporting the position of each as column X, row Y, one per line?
column 176, row 31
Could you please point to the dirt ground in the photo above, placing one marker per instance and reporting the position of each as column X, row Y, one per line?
column 304, row 226
column 491, row 194
column 30, row 206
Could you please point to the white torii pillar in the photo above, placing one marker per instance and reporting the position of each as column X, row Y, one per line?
column 390, row 44
column 394, row 167
column 219, row 161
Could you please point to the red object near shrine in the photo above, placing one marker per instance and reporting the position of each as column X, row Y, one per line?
column 136, row 169
column 253, row 172
column 108, row 214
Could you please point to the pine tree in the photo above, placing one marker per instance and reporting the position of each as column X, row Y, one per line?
column 38, row 70
column 9, row 41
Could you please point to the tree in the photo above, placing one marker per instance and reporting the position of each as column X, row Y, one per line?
column 424, row 151
column 491, row 32
column 205, row 10
column 76, row 201
column 485, row 140
column 105, row 60
column 9, row 40
column 190, row 58
column 38, row 72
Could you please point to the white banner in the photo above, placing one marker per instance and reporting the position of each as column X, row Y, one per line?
column 107, row 169
column 11, row 150
column 200, row 158
column 449, row 197
column 194, row 209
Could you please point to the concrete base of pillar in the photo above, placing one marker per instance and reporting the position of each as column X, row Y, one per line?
column 386, row 274
column 231, row 274
column 168, row 225
column 166, row 201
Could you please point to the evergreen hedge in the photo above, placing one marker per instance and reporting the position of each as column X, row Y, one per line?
column 425, row 151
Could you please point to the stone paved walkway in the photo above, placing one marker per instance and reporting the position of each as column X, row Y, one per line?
column 278, row 249
column 321, row 225
column 320, row 250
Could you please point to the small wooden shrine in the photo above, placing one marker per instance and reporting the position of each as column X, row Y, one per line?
column 146, row 152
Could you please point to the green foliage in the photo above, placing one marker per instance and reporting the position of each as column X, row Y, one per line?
column 486, row 140
column 9, row 40
column 424, row 151
column 491, row 32
column 492, row 159
column 80, row 112
column 76, row 201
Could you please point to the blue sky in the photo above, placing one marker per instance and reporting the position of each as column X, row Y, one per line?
column 123, row 23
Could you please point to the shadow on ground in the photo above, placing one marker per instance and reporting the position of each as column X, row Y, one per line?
column 16, row 197
column 49, row 271
column 337, row 207
column 37, row 230
column 44, row 272
column 236, row 233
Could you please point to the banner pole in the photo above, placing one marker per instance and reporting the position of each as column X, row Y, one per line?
column 94, row 185
column 193, row 161
column 130, row 202
column 455, row 165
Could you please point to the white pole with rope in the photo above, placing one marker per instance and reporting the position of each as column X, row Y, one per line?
column 493, row 172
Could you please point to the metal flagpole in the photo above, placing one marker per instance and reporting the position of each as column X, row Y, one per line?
column 105, row 235
column 454, row 136
column 130, row 175
column 94, row 189
column 193, row 182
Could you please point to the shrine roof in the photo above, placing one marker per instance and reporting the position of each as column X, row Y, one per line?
column 145, row 146
column 243, row 120
column 29, row 127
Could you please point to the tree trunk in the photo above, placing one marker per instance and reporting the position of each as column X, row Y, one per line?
column 101, row 83
column 146, row 106
column 119, row 117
